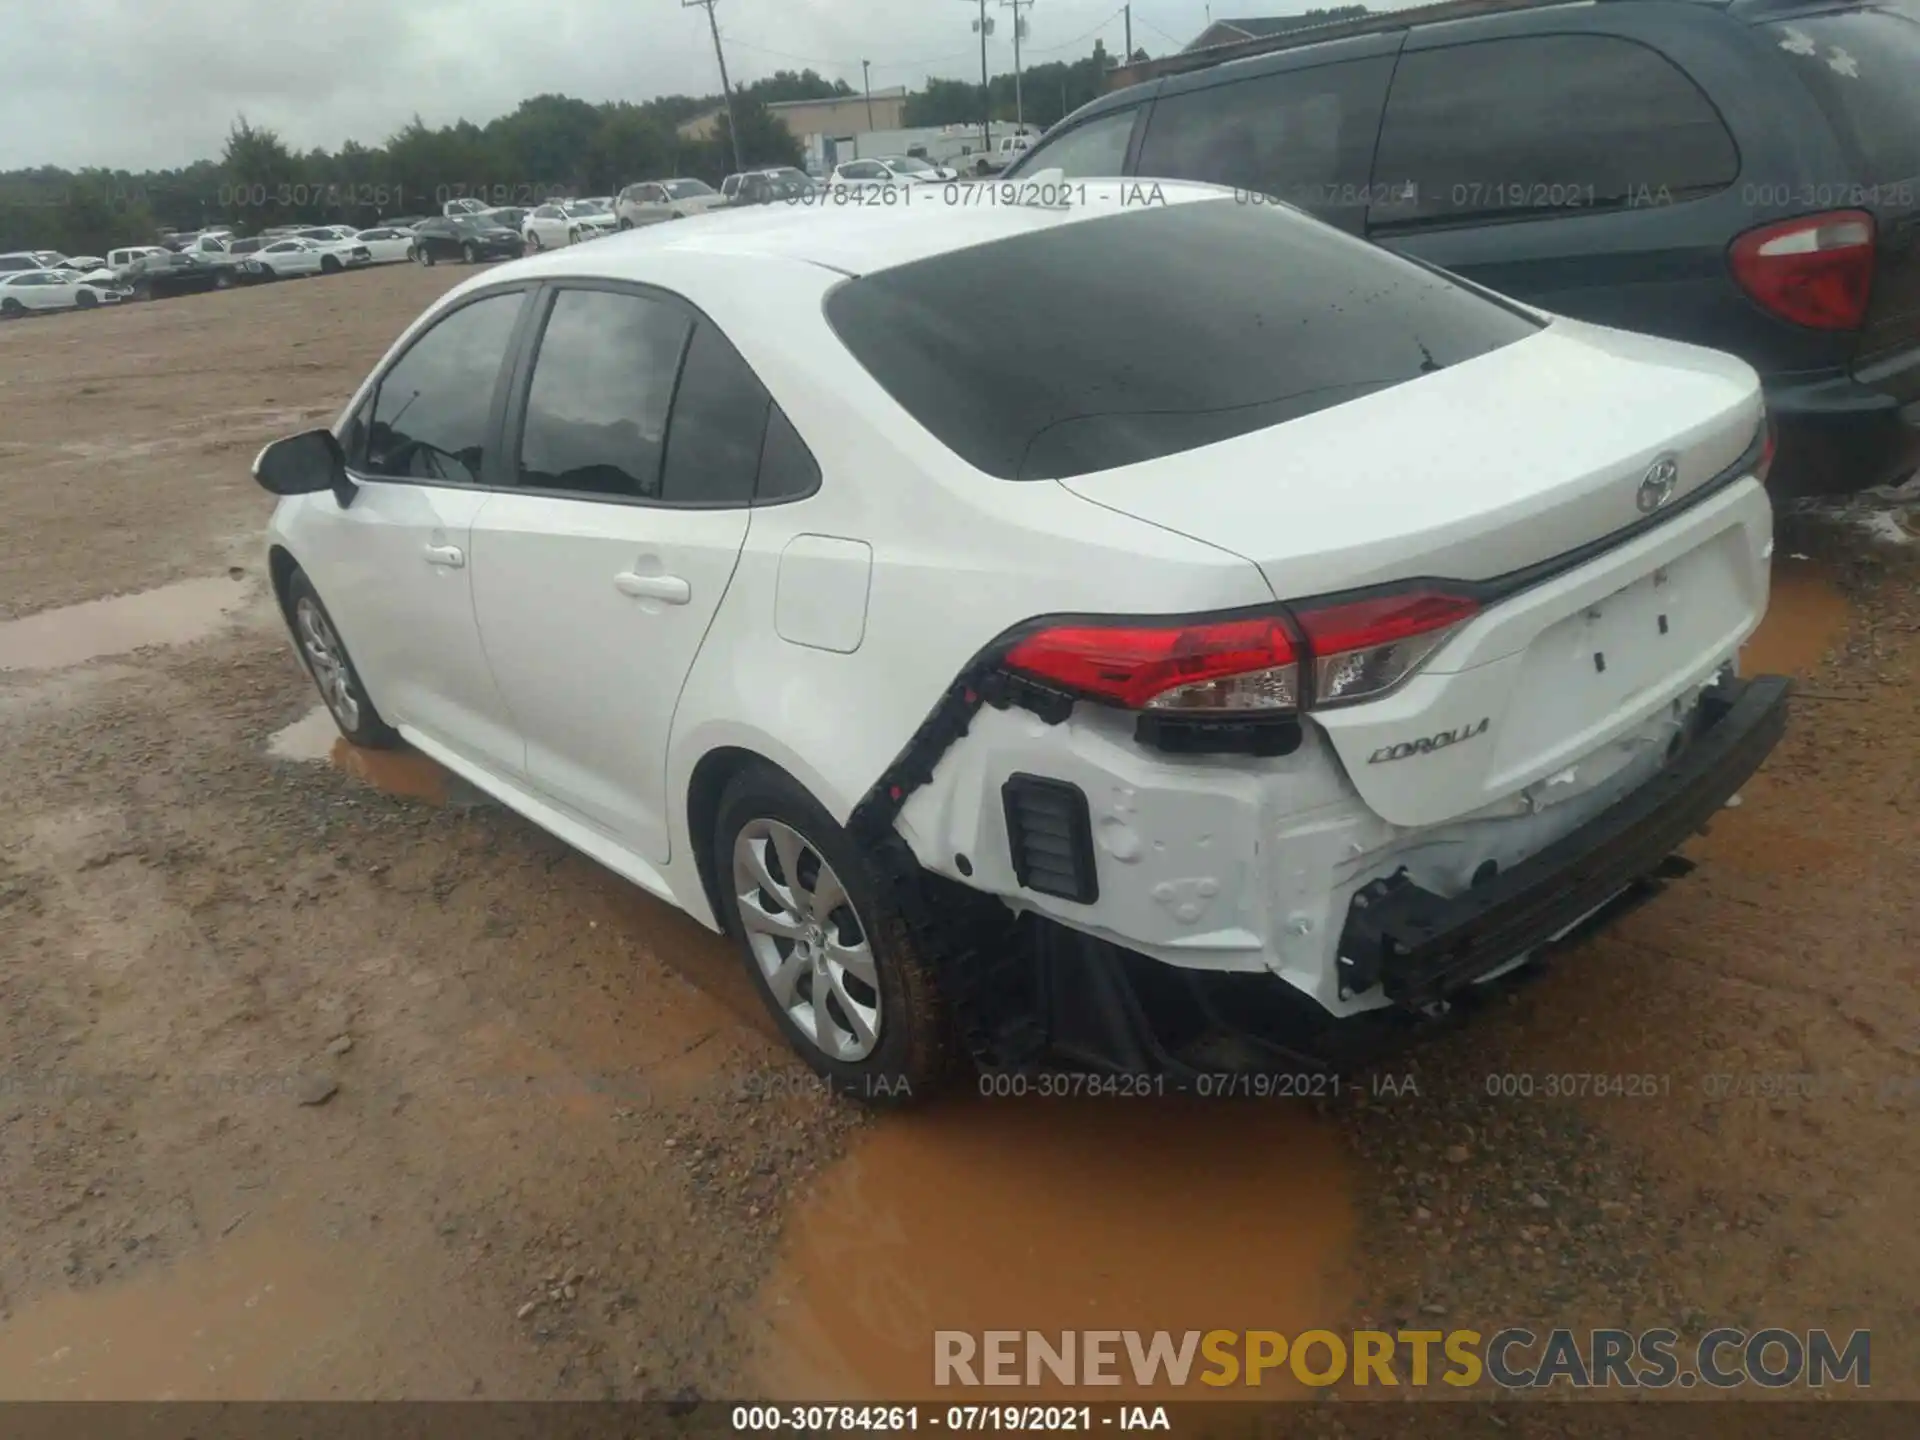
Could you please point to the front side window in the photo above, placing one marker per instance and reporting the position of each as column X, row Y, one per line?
column 1093, row 151
column 1581, row 122
column 431, row 415
column 596, row 413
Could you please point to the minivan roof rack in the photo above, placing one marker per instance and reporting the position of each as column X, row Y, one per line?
column 1380, row 22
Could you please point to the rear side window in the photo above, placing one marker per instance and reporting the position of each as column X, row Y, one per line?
column 1094, row 150
column 1863, row 67
column 1303, row 136
column 788, row 470
column 1098, row 343
column 1552, row 125
column 719, row 421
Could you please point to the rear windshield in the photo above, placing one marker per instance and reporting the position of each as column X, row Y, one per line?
column 1863, row 66
column 1106, row 342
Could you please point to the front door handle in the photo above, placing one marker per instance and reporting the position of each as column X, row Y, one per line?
column 670, row 588
column 451, row 556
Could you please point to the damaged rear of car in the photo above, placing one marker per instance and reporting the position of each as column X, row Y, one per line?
column 1480, row 680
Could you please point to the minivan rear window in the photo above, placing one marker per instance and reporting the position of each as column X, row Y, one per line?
column 1105, row 342
column 1863, row 67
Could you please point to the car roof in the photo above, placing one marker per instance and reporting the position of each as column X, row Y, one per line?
column 856, row 240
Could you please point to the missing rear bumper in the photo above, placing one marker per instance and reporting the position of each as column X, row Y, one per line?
column 1419, row 946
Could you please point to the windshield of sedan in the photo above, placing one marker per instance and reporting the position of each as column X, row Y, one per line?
column 687, row 189
column 1098, row 343
column 908, row 166
column 586, row 207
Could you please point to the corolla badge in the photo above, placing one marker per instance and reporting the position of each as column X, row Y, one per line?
column 1657, row 487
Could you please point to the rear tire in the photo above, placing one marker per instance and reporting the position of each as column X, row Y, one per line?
column 223, row 281
column 626, row 225
column 854, row 970
column 12, row 308
column 469, row 254
column 534, row 240
column 425, row 255
column 327, row 661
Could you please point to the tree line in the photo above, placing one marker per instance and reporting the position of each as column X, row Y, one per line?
column 550, row 144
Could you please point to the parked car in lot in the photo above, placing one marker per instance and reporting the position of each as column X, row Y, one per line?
column 294, row 255
column 862, row 175
column 1145, row 692
column 15, row 260
column 764, row 187
column 1745, row 176
column 22, row 291
column 121, row 261
column 1007, row 151
column 471, row 238
column 169, row 273
column 466, row 205
column 386, row 243
column 567, row 223
column 514, row 217
column 911, row 170
column 652, row 201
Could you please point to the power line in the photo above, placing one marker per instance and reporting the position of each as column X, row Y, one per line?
column 1068, row 44
column 1157, row 30
column 726, row 88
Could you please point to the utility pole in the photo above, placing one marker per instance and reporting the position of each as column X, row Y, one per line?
column 1019, row 109
column 1129, row 59
column 866, row 81
column 985, row 27
column 733, row 131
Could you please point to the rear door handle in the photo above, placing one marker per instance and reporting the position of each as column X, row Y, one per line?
column 451, row 556
column 670, row 588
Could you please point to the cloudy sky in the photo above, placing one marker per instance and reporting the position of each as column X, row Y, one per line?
column 134, row 85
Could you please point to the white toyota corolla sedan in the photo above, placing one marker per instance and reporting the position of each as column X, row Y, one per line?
column 1143, row 629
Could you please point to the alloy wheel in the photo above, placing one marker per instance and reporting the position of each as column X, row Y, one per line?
column 327, row 658
column 807, row 939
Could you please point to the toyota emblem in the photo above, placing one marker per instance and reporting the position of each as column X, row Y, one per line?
column 1657, row 487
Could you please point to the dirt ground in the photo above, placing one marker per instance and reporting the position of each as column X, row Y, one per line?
column 323, row 1077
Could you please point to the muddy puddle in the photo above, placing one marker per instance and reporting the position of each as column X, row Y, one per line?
column 266, row 1312
column 1029, row 1214
column 176, row 614
column 1806, row 617
column 315, row 738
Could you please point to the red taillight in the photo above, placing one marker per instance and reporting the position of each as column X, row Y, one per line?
column 1365, row 647
column 1816, row 271
column 1239, row 665
column 1358, row 649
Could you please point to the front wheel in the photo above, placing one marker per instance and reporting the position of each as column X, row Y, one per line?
column 424, row 255
column 329, row 265
column 533, row 239
column 223, row 281
column 12, row 308
column 412, row 254
column 834, row 962
column 332, row 669
column 468, row 253
column 573, row 237
column 626, row 224
column 85, row 300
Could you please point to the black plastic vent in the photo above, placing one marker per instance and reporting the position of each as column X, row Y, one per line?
column 1050, row 836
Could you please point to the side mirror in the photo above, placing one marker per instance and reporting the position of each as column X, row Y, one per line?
column 305, row 464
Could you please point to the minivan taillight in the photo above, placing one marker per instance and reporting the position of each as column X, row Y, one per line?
column 1242, row 667
column 1816, row 270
